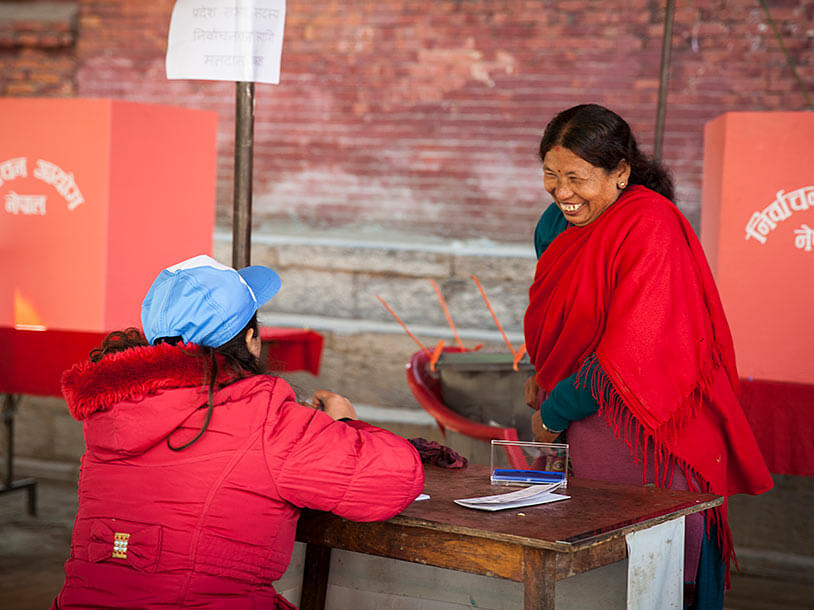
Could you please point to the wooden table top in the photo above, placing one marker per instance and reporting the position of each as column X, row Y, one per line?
column 595, row 511
column 536, row 545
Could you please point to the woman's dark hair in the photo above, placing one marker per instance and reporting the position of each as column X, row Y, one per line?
column 118, row 341
column 238, row 354
column 235, row 351
column 604, row 139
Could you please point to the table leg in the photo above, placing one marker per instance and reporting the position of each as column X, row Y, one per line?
column 540, row 577
column 315, row 577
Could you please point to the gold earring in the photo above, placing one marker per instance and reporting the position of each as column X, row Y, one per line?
column 621, row 185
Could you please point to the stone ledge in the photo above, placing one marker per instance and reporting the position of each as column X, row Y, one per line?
column 12, row 13
column 341, row 277
column 402, row 243
column 775, row 564
column 348, row 326
column 45, row 25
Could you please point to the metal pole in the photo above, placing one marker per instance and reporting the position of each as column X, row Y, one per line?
column 666, row 45
column 244, row 146
column 9, row 409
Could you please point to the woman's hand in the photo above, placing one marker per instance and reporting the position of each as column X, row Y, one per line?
column 540, row 433
column 532, row 390
column 334, row 405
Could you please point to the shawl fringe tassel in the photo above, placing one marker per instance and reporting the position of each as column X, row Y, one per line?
column 638, row 438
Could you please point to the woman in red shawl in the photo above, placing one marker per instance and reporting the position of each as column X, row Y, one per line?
column 628, row 337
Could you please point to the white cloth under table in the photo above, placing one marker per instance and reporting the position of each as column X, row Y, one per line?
column 655, row 573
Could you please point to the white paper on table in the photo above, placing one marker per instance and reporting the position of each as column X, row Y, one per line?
column 530, row 496
column 236, row 40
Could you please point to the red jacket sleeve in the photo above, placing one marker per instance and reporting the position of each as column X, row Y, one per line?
column 353, row 469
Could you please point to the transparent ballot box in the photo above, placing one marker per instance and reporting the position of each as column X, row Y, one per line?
column 521, row 463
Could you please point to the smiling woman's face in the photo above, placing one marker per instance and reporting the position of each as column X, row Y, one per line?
column 581, row 190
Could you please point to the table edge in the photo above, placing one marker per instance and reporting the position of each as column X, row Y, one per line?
column 568, row 545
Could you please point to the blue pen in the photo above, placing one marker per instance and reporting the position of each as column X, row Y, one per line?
column 539, row 476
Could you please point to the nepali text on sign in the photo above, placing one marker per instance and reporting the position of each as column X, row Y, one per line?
column 236, row 40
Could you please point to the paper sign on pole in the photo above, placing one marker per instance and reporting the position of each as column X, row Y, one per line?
column 236, row 40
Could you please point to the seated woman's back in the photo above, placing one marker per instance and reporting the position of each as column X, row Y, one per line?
column 214, row 525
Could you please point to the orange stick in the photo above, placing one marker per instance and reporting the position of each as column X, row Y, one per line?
column 436, row 354
column 520, row 353
column 403, row 325
column 494, row 316
column 446, row 313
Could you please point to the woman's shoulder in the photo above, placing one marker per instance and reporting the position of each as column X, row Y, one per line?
column 268, row 389
column 649, row 220
column 649, row 208
column 646, row 198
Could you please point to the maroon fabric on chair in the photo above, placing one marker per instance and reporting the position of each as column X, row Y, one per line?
column 781, row 416
column 433, row 452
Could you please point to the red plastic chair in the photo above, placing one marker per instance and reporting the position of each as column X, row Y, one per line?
column 426, row 387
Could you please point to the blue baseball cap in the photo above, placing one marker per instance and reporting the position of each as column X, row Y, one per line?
column 205, row 302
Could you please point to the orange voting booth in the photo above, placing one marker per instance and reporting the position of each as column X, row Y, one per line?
column 757, row 228
column 97, row 197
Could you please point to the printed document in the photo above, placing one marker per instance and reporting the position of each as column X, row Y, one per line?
column 530, row 496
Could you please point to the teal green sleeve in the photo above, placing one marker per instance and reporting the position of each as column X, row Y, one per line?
column 567, row 403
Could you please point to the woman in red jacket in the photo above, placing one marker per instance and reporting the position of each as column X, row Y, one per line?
column 197, row 465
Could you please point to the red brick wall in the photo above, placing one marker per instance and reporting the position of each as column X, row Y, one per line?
column 424, row 115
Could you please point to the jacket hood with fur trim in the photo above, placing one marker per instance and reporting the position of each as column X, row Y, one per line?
column 89, row 387
column 130, row 400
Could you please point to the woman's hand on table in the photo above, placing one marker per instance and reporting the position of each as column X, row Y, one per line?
column 334, row 405
column 540, row 433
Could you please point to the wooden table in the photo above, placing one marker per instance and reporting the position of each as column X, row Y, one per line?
column 536, row 545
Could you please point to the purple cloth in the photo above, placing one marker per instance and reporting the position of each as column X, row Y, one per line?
column 432, row 452
column 597, row 454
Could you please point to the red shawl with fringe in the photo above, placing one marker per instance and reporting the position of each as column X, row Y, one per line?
column 633, row 290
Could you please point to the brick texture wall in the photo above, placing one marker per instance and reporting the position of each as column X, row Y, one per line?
column 422, row 116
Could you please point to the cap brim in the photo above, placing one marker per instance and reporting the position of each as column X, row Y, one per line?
column 263, row 281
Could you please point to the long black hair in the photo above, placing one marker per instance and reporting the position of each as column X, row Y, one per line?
column 604, row 139
column 235, row 352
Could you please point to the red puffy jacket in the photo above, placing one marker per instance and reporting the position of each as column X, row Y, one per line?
column 211, row 526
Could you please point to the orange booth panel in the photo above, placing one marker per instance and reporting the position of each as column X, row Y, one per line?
column 97, row 197
column 757, row 228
